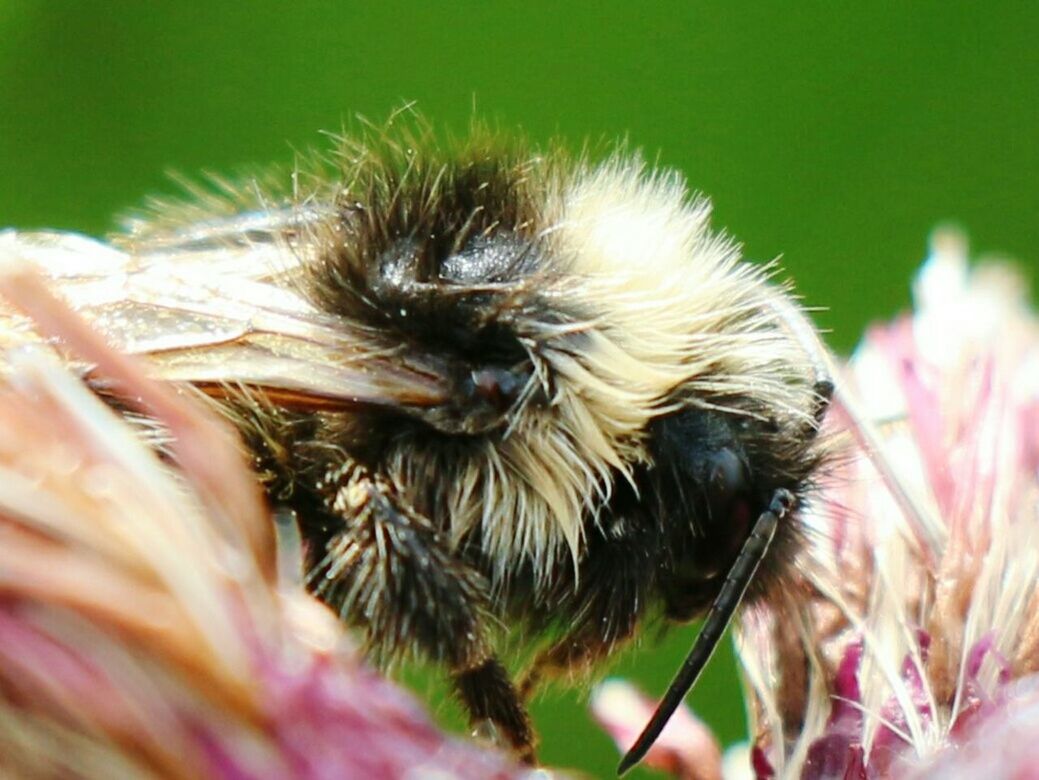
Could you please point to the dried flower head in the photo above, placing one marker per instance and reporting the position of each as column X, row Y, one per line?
column 918, row 604
column 144, row 630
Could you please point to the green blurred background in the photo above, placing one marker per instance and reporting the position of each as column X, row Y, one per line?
column 833, row 134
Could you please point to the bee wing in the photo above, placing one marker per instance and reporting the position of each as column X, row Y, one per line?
column 214, row 304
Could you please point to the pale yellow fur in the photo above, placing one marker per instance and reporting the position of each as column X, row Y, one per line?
column 678, row 319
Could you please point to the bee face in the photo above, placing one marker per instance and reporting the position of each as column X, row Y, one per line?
column 494, row 382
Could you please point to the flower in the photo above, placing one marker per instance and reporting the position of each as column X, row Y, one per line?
column 145, row 629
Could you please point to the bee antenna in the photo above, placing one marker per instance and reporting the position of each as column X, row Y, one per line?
column 738, row 579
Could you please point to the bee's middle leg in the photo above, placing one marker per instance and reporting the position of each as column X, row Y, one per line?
column 390, row 571
column 606, row 608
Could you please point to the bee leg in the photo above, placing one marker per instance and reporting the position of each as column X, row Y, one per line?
column 390, row 571
column 616, row 579
column 489, row 695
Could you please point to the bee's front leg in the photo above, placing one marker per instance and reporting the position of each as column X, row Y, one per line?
column 390, row 571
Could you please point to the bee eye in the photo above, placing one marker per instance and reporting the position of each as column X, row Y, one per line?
column 723, row 523
column 726, row 478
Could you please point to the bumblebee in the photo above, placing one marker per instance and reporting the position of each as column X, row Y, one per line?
column 493, row 385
